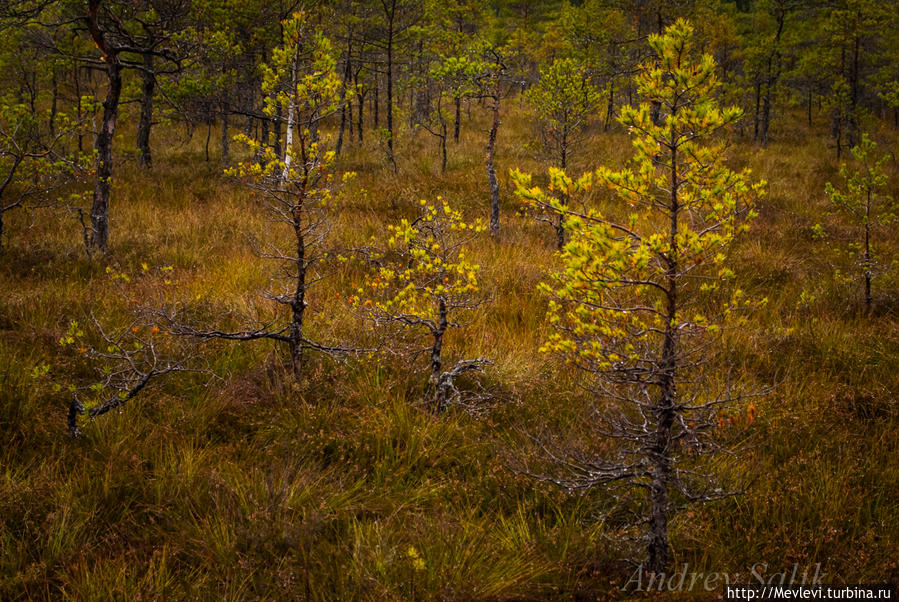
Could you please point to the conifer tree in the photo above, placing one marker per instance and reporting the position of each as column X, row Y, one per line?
column 862, row 203
column 425, row 284
column 297, row 189
column 638, row 293
column 565, row 99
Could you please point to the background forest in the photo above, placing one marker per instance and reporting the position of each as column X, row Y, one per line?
column 470, row 299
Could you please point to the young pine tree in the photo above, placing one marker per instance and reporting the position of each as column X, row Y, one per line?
column 565, row 98
column 297, row 190
column 865, row 207
column 426, row 283
column 637, row 296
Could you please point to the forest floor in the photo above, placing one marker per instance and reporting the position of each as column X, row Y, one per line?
column 346, row 487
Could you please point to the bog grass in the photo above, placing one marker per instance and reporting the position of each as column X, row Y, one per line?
column 345, row 487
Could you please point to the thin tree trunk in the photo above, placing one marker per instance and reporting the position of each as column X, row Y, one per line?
column 359, row 116
column 491, row 170
column 440, row 400
column 852, row 129
column 390, row 94
column 225, row 140
column 758, row 102
column 868, row 252
column 298, row 303
column 458, row 118
column 610, row 109
column 343, row 103
column 443, row 149
column 376, row 103
column 100, row 206
column 208, row 136
column 277, row 127
column 288, row 141
column 664, row 412
column 148, row 87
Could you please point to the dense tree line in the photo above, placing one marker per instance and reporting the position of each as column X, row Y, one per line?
column 198, row 62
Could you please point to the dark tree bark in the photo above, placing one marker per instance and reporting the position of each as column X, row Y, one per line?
column 225, row 140
column 437, row 333
column 491, row 169
column 277, row 131
column 376, row 102
column 610, row 109
column 148, row 88
column 54, row 87
column 660, row 450
column 100, row 206
column 347, row 71
column 390, row 12
column 773, row 73
column 458, row 118
column 103, row 145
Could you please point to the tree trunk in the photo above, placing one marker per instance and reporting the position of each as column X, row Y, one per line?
column 758, row 102
column 766, row 118
column 343, row 104
column 288, row 140
column 852, row 124
column 664, row 412
column 440, row 400
column 100, row 206
column 458, row 118
column 148, row 87
column 277, row 128
column 359, row 117
column 225, row 140
column 491, row 170
column 298, row 303
column 390, row 91
column 610, row 109
column 443, row 148
column 208, row 136
column 868, row 252
column 376, row 103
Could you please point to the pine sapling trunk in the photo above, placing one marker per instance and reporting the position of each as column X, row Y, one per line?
column 298, row 302
column 390, row 92
column 610, row 109
column 148, row 88
column 291, row 107
column 559, row 225
column 491, row 170
column 225, row 140
column 440, row 391
column 343, row 104
column 208, row 136
column 664, row 412
column 100, row 206
column 359, row 116
column 443, row 147
column 868, row 251
column 277, row 130
column 458, row 117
